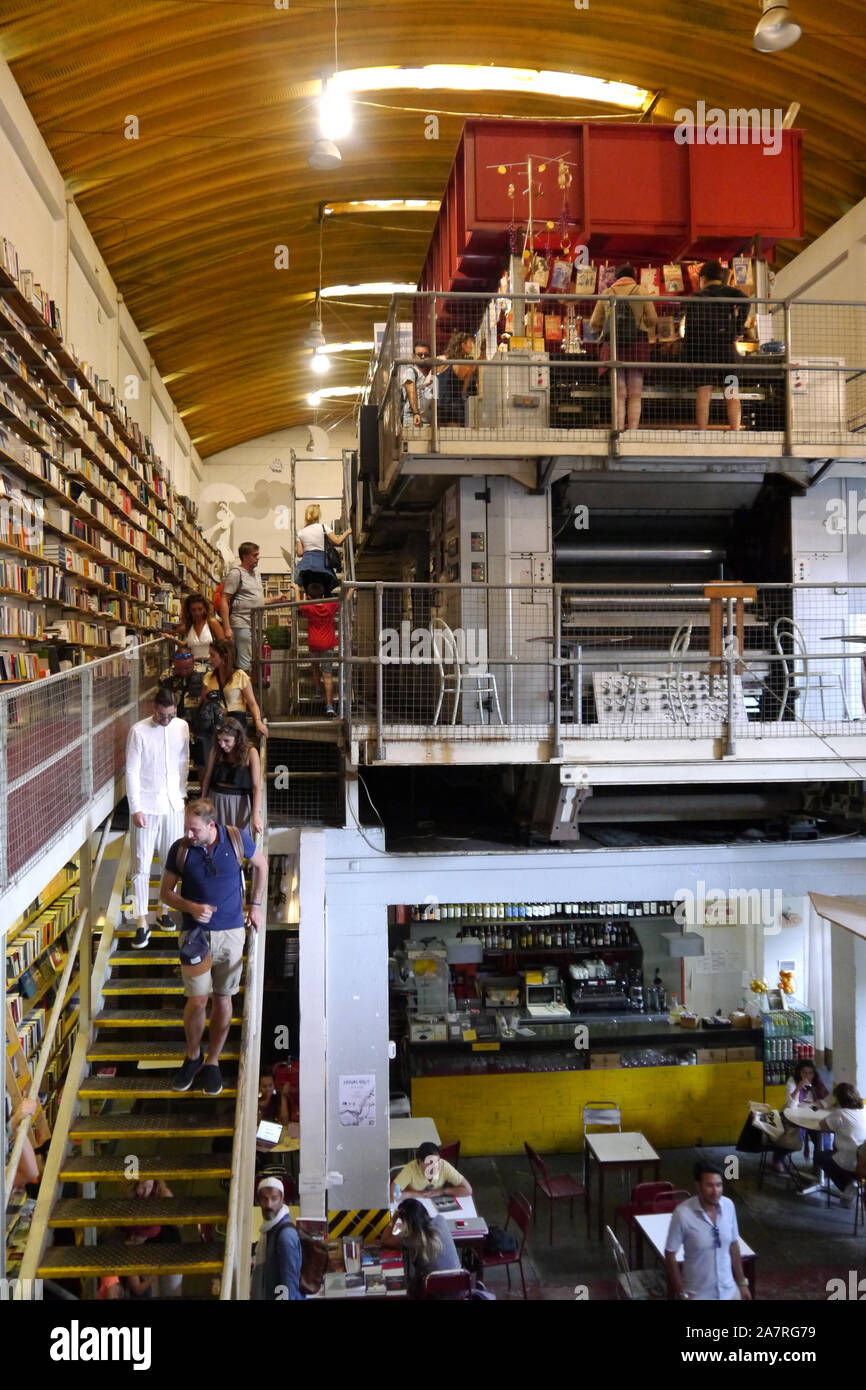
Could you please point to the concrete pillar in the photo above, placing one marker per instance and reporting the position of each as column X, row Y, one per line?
column 849, row 1004
column 313, row 1031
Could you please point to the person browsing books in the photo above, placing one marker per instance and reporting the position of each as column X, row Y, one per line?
column 242, row 595
column 428, row 1172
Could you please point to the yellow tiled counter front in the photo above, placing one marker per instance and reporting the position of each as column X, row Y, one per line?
column 675, row 1107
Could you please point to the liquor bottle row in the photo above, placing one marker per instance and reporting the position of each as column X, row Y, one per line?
column 558, row 935
column 435, row 911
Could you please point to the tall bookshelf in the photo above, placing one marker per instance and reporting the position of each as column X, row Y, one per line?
column 95, row 544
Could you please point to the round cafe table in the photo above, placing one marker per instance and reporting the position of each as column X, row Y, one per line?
column 805, row 1116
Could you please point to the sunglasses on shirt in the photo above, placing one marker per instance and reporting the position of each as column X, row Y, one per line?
column 717, row 1238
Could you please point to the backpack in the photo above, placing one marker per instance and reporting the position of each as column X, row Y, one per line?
column 314, row 1264
column 333, row 558
column 627, row 331
column 498, row 1241
column 220, row 593
column 234, row 835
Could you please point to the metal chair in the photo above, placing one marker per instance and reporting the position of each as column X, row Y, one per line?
column 520, row 1212
column 474, row 678
column 634, row 1285
column 560, row 1187
column 798, row 679
column 640, row 1203
column 604, row 1114
column 448, row 1283
column 667, row 1201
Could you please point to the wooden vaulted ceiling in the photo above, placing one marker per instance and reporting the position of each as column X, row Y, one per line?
column 188, row 216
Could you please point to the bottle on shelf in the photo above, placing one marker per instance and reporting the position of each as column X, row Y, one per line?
column 674, row 1013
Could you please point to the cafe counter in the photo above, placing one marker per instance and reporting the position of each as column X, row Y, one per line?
column 680, row 1087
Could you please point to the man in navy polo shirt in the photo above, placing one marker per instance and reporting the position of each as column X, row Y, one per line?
column 212, row 896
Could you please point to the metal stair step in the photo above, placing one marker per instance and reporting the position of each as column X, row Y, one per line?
column 71, row 1261
column 144, row 1018
column 180, row 1126
column 171, row 1167
column 138, row 1211
column 155, row 932
column 145, row 957
column 151, row 1050
column 144, row 1087
column 144, row 984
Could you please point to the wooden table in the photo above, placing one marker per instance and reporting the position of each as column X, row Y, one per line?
column 468, row 1229
column 655, row 1227
column 409, row 1134
column 619, row 1151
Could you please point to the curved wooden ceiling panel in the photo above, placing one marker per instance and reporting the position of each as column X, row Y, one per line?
column 188, row 215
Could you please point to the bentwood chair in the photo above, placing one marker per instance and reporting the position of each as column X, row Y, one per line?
column 634, row 1285
column 797, row 677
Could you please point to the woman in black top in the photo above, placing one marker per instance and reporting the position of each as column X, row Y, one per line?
column 233, row 778
column 455, row 382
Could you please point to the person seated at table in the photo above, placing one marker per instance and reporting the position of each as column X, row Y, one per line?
column 706, row 1227
column 426, row 1244
column 428, row 1172
column 847, row 1120
column 273, row 1104
column 804, row 1087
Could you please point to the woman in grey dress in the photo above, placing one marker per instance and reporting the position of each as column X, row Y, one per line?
column 233, row 778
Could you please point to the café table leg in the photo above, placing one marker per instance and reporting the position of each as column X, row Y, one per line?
column 750, row 1273
column 600, row 1200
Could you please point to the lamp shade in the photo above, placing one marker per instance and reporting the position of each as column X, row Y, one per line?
column 775, row 29
column 324, row 155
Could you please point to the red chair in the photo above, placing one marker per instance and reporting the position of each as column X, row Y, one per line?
column 640, row 1203
column 561, row 1187
column 450, row 1153
column 520, row 1212
column 448, row 1283
column 666, row 1201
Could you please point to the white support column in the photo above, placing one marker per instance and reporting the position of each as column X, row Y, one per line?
column 313, row 1059
column 849, row 1005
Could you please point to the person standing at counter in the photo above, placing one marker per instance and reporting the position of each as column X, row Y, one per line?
column 715, row 317
column 634, row 323
column 429, row 1173
column 847, row 1120
column 706, row 1227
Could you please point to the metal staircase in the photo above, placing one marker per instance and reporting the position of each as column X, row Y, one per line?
column 131, row 1124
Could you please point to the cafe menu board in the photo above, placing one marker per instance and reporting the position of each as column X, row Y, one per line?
column 358, row 1101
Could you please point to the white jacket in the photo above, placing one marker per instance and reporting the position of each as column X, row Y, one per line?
column 157, row 765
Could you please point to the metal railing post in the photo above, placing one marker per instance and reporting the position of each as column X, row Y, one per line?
column 732, row 664
column 434, row 419
column 380, row 746
column 87, row 730
column 614, row 410
column 4, row 805
column 557, row 671
column 789, row 398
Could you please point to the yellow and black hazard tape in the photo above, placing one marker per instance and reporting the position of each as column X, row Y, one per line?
column 365, row 1225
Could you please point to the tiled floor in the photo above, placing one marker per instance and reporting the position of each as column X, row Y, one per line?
column 800, row 1244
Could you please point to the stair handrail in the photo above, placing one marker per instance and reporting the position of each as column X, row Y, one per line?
column 235, row 1280
column 70, row 1102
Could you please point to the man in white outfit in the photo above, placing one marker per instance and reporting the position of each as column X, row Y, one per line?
column 157, row 765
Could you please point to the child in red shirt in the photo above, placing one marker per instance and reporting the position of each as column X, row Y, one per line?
column 322, row 638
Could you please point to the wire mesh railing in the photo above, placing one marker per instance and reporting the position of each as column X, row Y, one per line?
column 592, row 662
column 62, row 742
column 551, row 369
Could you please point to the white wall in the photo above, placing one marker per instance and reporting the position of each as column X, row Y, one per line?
column 52, row 239
column 258, row 497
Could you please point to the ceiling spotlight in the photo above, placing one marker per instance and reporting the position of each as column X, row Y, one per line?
column 320, row 363
column 324, row 155
column 335, row 113
column 775, row 29
column 315, row 339
column 314, row 398
column 311, row 442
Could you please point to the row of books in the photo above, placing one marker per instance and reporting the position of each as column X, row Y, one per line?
column 20, row 622
column 34, row 980
column 84, row 634
column 32, row 1030
column 22, row 666
column 29, row 288
column 32, row 941
column 31, row 581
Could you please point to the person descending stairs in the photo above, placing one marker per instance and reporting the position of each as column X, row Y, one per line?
column 142, row 1125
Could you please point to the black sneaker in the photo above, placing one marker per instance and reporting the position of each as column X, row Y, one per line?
column 166, row 923
column 183, row 1079
column 142, row 936
column 211, row 1079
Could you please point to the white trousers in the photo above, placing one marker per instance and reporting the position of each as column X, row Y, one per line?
column 158, row 834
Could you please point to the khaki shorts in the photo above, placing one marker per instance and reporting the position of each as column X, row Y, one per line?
column 224, row 976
